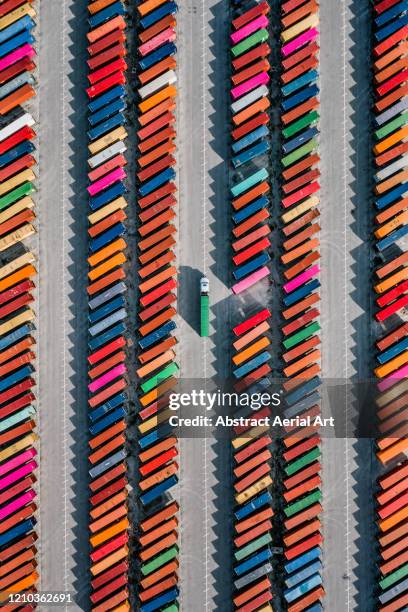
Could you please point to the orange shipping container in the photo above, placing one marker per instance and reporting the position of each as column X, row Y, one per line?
column 167, row 22
column 157, row 279
column 168, row 105
column 16, row 98
column 158, row 588
column 118, row 500
column 308, row 64
column 250, row 195
column 394, row 96
column 251, row 222
column 23, row 274
column 302, row 265
column 306, row 107
column 301, row 250
column 250, row 351
column 301, row 236
column 164, row 94
column 160, row 516
column 156, row 237
column 390, row 211
column 107, row 434
column 156, row 363
column 110, row 532
column 149, row 5
column 107, row 280
column 107, row 266
column 96, row 229
column 166, row 472
column 97, row 6
column 160, row 546
column 297, row 15
column 107, row 364
column 259, row 106
column 165, row 570
column 152, row 253
column 251, row 335
column 156, row 350
column 301, row 364
column 388, row 142
column 114, row 247
column 396, row 179
column 108, row 519
column 301, row 306
column 22, row 585
column 159, row 532
column 117, row 23
column 391, row 70
column 387, row 58
column 110, row 560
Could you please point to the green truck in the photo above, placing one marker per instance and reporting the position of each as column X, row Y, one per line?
column 204, row 306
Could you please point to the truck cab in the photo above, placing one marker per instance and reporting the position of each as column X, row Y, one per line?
column 204, row 286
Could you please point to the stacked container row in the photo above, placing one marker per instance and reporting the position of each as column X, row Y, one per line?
column 107, row 312
column 390, row 40
column 157, row 369
column 302, row 495
column 392, row 511
column 16, row 159
column 18, row 462
column 250, row 143
column 252, row 558
column 17, row 424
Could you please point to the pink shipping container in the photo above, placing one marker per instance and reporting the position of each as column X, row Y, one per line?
column 24, row 51
column 18, row 460
column 250, row 28
column 107, row 378
column 168, row 35
column 16, row 504
column 246, row 86
column 393, row 378
column 114, row 176
column 10, row 479
column 301, row 40
column 250, row 280
column 302, row 278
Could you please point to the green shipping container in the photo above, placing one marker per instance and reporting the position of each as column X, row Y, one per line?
column 255, row 39
column 156, row 380
column 165, row 557
column 391, row 126
column 303, row 503
column 300, row 152
column 301, row 463
column 304, row 333
column 253, row 546
column 16, row 194
column 389, row 580
column 204, row 315
column 299, row 125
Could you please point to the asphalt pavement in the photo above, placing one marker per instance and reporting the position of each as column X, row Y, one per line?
column 348, row 465
column 202, row 126
column 62, row 391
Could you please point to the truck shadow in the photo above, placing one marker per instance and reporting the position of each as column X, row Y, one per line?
column 188, row 298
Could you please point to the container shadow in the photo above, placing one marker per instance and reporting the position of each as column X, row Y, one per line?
column 77, row 272
column 362, row 268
